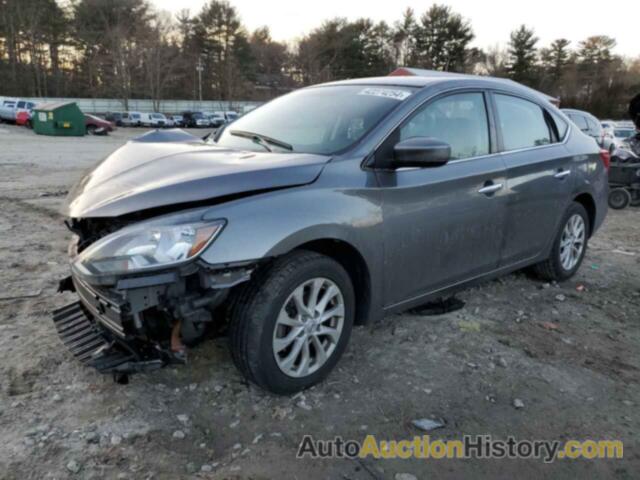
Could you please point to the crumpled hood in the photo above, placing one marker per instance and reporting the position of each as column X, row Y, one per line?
column 139, row 176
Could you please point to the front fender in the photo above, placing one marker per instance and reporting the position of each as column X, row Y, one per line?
column 275, row 223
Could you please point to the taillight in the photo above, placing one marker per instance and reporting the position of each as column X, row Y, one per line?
column 605, row 156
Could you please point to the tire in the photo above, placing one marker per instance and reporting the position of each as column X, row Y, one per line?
column 553, row 268
column 255, row 314
column 91, row 129
column 619, row 198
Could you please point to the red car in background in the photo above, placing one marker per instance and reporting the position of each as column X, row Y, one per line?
column 93, row 123
column 23, row 117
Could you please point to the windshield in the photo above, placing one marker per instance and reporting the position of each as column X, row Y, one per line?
column 157, row 115
column 321, row 120
column 626, row 133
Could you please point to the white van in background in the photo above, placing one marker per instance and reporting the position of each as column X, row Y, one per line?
column 153, row 119
column 132, row 119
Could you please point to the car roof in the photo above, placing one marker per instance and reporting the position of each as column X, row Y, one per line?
column 420, row 78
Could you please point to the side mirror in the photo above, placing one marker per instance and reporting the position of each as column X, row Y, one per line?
column 421, row 152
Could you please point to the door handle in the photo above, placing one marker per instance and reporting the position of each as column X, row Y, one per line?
column 561, row 174
column 489, row 189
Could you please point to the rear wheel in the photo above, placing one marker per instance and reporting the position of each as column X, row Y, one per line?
column 292, row 322
column 569, row 246
column 619, row 198
column 91, row 129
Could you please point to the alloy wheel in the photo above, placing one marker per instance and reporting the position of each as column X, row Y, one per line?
column 308, row 327
column 572, row 241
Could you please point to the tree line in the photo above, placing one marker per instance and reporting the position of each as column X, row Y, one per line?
column 126, row 49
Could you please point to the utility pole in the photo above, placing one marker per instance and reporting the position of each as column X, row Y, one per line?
column 200, row 68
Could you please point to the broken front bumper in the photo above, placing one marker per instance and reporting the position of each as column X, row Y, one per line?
column 92, row 346
column 130, row 325
column 98, row 330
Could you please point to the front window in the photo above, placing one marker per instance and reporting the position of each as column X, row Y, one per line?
column 460, row 120
column 322, row 120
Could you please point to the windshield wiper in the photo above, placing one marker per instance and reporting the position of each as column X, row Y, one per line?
column 262, row 140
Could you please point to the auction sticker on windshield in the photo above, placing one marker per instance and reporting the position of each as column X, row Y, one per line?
column 385, row 92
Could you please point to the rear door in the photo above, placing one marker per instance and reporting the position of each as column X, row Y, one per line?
column 443, row 225
column 539, row 174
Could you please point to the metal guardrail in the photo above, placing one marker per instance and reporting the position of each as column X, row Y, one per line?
column 103, row 105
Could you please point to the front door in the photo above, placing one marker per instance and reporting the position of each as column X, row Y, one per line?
column 443, row 225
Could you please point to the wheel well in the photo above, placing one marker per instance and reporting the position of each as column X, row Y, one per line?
column 351, row 260
column 589, row 205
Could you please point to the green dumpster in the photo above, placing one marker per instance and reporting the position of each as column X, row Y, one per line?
column 61, row 119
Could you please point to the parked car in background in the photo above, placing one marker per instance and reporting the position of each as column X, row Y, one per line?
column 114, row 117
column 216, row 119
column 178, row 120
column 7, row 110
column 360, row 198
column 168, row 121
column 23, row 118
column 620, row 138
column 225, row 117
column 93, row 123
column 153, row 119
column 132, row 119
column 230, row 116
column 195, row 120
column 607, row 125
column 10, row 108
column 589, row 125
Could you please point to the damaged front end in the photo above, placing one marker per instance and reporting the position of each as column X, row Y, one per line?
column 143, row 291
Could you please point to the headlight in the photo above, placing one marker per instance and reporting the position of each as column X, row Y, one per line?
column 147, row 246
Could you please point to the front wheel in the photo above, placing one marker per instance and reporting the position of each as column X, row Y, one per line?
column 292, row 322
column 569, row 246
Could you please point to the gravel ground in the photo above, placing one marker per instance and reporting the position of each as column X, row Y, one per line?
column 568, row 352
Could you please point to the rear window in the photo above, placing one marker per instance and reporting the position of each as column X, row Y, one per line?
column 594, row 126
column 579, row 120
column 522, row 123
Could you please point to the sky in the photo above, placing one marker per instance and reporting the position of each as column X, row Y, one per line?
column 492, row 20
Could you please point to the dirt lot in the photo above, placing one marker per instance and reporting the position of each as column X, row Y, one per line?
column 578, row 375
